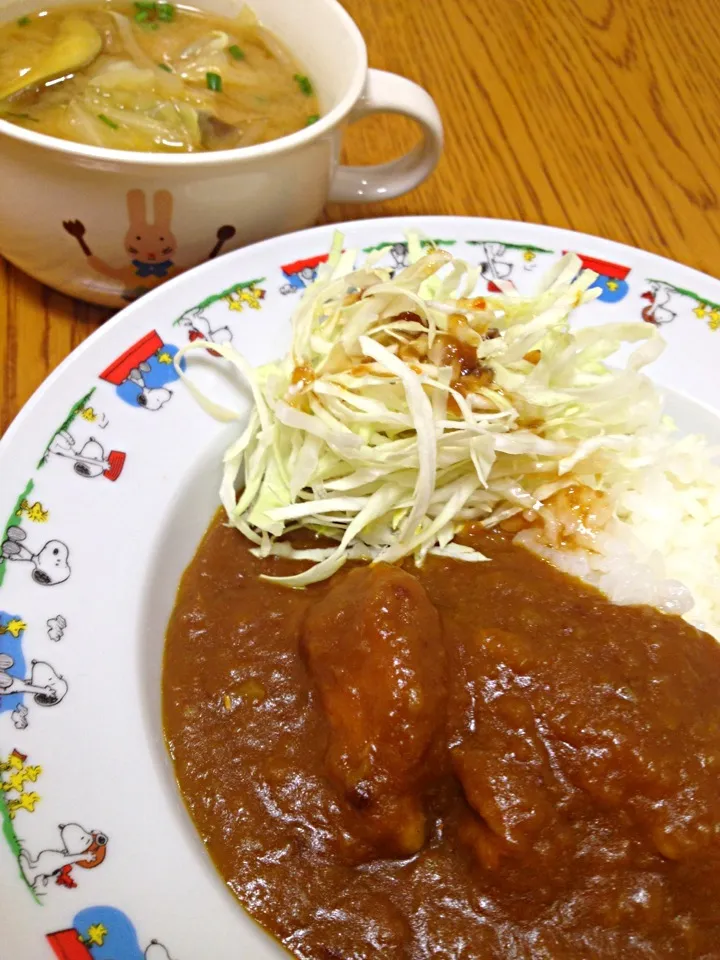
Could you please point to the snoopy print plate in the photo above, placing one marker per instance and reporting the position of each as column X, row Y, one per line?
column 108, row 479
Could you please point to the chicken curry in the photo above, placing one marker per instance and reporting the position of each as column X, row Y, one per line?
column 466, row 760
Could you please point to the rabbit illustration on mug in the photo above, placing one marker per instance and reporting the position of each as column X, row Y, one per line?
column 150, row 246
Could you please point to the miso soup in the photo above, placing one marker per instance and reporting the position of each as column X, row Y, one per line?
column 151, row 76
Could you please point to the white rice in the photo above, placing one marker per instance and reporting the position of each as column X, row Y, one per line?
column 661, row 543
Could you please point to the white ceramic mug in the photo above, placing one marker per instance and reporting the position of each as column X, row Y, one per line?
column 108, row 225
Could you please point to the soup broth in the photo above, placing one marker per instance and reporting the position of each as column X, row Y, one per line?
column 151, row 76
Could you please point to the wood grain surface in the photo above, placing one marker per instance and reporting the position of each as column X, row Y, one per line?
column 600, row 115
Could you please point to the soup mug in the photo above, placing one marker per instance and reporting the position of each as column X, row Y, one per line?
column 109, row 225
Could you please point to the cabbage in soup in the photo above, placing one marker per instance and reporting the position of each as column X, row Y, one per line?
column 151, row 76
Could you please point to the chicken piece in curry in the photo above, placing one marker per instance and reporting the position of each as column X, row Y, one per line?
column 374, row 653
column 459, row 761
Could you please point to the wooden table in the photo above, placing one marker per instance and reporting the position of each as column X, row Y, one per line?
column 601, row 115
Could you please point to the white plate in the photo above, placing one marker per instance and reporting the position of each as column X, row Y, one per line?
column 96, row 561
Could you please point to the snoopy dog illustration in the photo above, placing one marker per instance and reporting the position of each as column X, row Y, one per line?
column 400, row 254
column 202, row 329
column 658, row 311
column 50, row 564
column 492, row 267
column 303, row 278
column 80, row 847
column 141, row 373
column 47, row 687
column 90, row 460
column 151, row 398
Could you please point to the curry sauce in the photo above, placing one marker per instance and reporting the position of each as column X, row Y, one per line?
column 467, row 760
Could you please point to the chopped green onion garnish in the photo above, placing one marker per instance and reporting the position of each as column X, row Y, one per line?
column 108, row 121
column 236, row 53
column 23, row 21
column 214, row 82
column 165, row 67
column 148, row 11
column 304, row 83
column 313, row 118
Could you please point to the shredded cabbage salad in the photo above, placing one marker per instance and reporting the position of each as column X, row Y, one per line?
column 407, row 406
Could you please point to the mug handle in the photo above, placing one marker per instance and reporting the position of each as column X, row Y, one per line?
column 389, row 93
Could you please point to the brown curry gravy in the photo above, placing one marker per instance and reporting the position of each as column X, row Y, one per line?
column 566, row 768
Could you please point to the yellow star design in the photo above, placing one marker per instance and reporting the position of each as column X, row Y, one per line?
column 33, row 511
column 14, row 782
column 234, row 303
column 37, row 514
column 96, row 934
column 251, row 298
column 14, row 627
column 89, row 414
column 612, row 284
column 714, row 319
column 164, row 357
column 28, row 801
column 699, row 311
column 529, row 255
column 14, row 761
